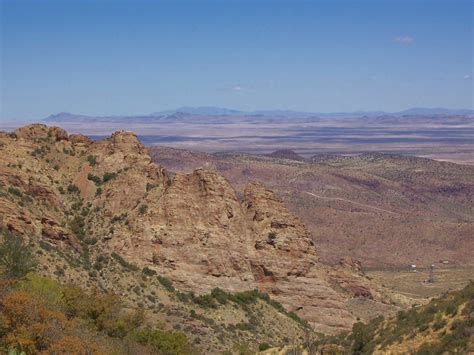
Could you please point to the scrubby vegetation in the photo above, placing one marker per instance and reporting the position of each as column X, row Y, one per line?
column 77, row 225
column 245, row 298
column 97, row 180
column 272, row 235
column 149, row 272
column 41, row 316
column 445, row 325
column 92, row 160
column 14, row 191
column 142, row 209
column 15, row 258
column 72, row 189
column 38, row 315
column 166, row 283
column 150, row 186
column 125, row 264
column 109, row 176
column 163, row 342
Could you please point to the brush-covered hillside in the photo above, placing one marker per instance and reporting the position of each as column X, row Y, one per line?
column 443, row 326
column 226, row 270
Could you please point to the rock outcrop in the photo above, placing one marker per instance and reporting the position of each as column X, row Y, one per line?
column 191, row 228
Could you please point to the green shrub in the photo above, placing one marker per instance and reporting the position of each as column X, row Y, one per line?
column 149, row 272
column 166, row 283
column 94, row 178
column 90, row 240
column 204, row 301
column 151, row 298
column 431, row 309
column 118, row 218
column 41, row 287
column 451, row 309
column 40, row 151
column 76, row 205
column 16, row 258
column 142, row 209
column 428, row 349
column 264, row 346
column 77, row 225
column 275, row 304
column 109, row 176
column 298, row 319
column 243, row 326
column 164, row 342
column 183, row 297
column 423, row 327
column 362, row 336
column 92, row 159
column 401, row 315
column 150, row 186
column 72, row 189
column 439, row 324
column 220, row 295
column 85, row 211
column 244, row 297
column 59, row 271
column 14, row 191
column 125, row 264
column 100, row 262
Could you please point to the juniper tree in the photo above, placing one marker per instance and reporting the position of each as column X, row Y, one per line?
column 15, row 257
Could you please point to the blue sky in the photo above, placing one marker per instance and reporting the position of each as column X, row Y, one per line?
column 134, row 57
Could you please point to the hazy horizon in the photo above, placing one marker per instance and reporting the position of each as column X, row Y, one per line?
column 183, row 109
column 127, row 58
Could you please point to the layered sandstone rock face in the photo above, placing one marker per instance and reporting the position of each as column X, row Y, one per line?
column 285, row 263
column 192, row 228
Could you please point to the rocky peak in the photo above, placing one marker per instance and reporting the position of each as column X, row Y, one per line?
column 192, row 229
column 40, row 131
column 272, row 220
column 58, row 134
column 32, row 131
column 127, row 142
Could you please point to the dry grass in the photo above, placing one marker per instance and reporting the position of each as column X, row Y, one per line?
column 412, row 284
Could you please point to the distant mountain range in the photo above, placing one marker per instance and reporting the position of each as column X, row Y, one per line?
column 219, row 111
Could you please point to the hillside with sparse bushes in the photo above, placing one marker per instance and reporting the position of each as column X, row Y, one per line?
column 183, row 248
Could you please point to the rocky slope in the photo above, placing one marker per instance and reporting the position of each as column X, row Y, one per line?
column 107, row 200
column 384, row 210
column 444, row 325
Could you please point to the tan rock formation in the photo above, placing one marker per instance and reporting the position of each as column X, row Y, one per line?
column 192, row 228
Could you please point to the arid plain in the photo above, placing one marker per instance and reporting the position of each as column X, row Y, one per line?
column 442, row 137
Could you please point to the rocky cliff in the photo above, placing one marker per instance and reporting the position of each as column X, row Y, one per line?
column 71, row 192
